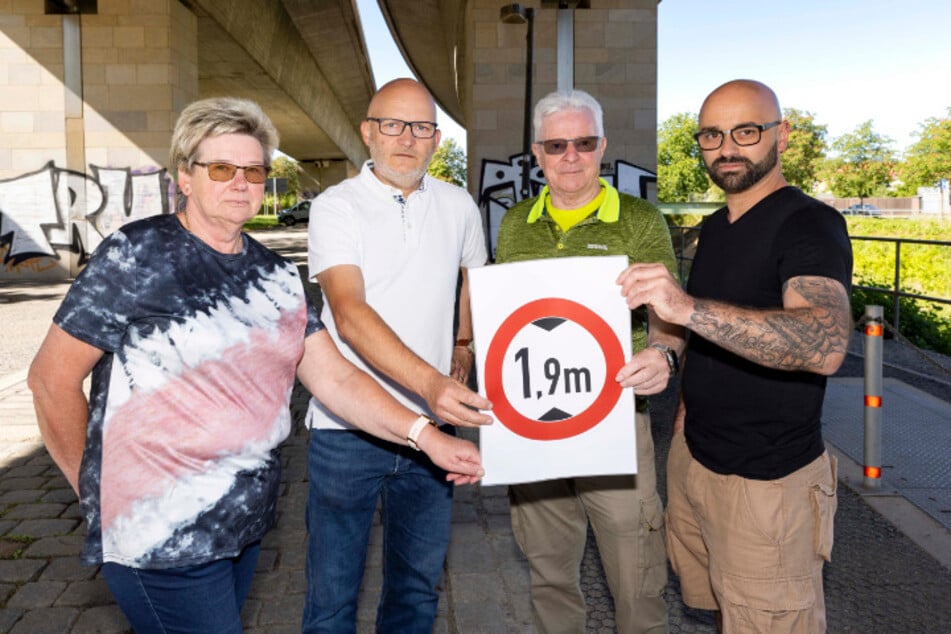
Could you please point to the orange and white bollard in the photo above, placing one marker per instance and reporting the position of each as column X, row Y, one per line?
column 874, row 332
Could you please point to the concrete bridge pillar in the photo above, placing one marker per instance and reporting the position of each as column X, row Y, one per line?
column 88, row 108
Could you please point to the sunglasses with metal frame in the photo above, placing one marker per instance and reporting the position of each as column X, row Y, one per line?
column 742, row 135
column 560, row 146
column 224, row 172
column 395, row 127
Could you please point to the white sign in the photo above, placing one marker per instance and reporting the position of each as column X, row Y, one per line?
column 550, row 336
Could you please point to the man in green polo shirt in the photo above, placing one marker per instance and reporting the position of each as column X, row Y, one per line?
column 580, row 214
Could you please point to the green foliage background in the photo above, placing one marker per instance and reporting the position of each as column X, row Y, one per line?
column 925, row 270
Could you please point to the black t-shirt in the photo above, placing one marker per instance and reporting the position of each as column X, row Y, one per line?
column 744, row 418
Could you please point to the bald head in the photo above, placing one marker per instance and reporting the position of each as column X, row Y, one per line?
column 405, row 99
column 747, row 94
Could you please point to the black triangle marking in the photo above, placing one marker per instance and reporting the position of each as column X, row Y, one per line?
column 555, row 414
column 549, row 323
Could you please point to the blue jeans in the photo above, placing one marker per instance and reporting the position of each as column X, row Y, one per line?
column 349, row 472
column 203, row 598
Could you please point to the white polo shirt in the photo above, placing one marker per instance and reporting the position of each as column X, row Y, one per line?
column 409, row 251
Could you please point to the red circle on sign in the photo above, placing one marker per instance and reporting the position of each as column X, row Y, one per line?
column 580, row 423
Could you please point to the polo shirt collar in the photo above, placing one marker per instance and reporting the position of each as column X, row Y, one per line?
column 609, row 212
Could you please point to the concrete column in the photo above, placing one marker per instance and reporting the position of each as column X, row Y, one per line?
column 86, row 117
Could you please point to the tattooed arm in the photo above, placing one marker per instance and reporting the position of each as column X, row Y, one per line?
column 810, row 333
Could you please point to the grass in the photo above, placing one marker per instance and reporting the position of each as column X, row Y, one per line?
column 261, row 222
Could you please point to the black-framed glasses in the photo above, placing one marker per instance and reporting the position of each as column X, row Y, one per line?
column 395, row 127
column 224, row 172
column 560, row 146
column 742, row 135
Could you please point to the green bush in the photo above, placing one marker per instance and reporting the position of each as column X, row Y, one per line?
column 918, row 322
column 288, row 199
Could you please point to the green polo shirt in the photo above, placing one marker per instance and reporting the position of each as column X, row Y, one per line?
column 623, row 225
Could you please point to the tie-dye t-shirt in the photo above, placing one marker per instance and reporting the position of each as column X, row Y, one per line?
column 190, row 401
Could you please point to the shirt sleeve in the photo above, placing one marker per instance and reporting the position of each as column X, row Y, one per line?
column 816, row 244
column 473, row 248
column 101, row 303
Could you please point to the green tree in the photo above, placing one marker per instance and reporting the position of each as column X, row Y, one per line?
column 929, row 159
column 803, row 157
column 449, row 163
column 864, row 163
column 681, row 175
column 285, row 167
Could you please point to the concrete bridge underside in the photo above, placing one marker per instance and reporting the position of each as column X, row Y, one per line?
column 305, row 62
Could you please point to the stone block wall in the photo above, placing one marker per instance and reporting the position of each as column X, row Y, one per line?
column 615, row 59
column 86, row 116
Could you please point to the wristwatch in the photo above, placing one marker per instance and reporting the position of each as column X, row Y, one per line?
column 673, row 363
column 415, row 430
column 467, row 344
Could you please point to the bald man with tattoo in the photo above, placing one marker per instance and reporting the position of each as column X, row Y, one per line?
column 751, row 488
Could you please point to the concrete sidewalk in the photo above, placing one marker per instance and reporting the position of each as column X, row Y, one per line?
column 887, row 575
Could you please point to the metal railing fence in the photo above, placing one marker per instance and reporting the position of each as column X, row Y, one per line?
column 687, row 234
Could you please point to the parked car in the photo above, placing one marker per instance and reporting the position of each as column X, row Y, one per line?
column 862, row 210
column 294, row 214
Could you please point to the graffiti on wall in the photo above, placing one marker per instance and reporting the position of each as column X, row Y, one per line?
column 54, row 214
column 501, row 186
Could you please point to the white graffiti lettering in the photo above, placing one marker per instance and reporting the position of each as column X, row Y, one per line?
column 54, row 211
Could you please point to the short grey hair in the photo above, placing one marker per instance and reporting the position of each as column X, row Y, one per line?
column 561, row 101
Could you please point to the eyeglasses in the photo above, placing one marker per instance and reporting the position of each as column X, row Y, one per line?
column 395, row 127
column 224, row 172
column 560, row 146
column 742, row 135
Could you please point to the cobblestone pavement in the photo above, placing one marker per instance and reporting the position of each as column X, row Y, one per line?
column 879, row 580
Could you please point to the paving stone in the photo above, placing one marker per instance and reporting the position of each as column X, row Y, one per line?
column 21, row 496
column 45, row 528
column 286, row 610
column 476, row 587
column 19, row 484
column 250, row 612
column 85, row 593
column 68, row 569
column 21, row 570
column 65, row 495
column 73, row 511
column 48, row 621
column 39, row 510
column 480, row 617
column 60, row 546
column 102, row 619
column 267, row 560
column 8, row 617
column 36, row 594
column 6, row 590
column 293, row 559
column 25, row 471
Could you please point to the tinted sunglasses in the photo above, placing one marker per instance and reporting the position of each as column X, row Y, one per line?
column 560, row 146
column 224, row 172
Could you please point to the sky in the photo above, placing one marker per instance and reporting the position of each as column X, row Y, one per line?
column 844, row 61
